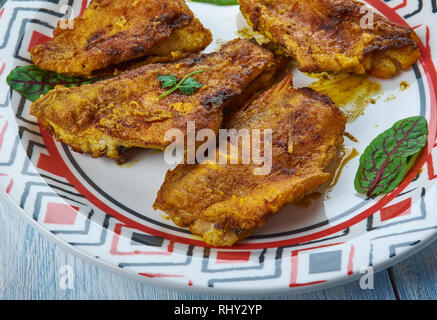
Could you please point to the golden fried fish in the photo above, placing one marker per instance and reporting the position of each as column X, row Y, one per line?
column 223, row 203
column 334, row 36
column 113, row 31
column 106, row 117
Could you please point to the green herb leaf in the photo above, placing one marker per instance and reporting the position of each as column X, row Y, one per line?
column 32, row 82
column 219, row 2
column 189, row 86
column 168, row 81
column 388, row 158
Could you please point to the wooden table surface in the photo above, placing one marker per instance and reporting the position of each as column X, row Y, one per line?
column 30, row 269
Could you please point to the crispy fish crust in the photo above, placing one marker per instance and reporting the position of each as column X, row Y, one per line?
column 125, row 111
column 325, row 35
column 224, row 203
column 113, row 31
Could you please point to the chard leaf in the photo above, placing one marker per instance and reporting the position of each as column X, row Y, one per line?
column 387, row 159
column 33, row 82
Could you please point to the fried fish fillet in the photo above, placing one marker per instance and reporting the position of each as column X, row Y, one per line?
column 113, row 31
column 109, row 116
column 328, row 35
column 223, row 203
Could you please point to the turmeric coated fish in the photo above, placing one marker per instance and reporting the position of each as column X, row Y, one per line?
column 334, row 35
column 114, row 31
column 112, row 115
column 223, row 203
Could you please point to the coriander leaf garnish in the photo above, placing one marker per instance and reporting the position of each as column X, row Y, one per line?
column 33, row 82
column 390, row 156
column 219, row 2
column 168, row 81
column 187, row 85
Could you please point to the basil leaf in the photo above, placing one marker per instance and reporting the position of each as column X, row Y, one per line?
column 219, row 2
column 33, row 82
column 386, row 161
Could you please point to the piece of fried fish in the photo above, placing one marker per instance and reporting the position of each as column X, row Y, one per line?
column 113, row 31
column 106, row 117
column 334, row 35
column 223, row 203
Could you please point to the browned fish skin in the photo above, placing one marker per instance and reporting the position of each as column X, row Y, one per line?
column 125, row 111
column 113, row 31
column 325, row 35
column 224, row 203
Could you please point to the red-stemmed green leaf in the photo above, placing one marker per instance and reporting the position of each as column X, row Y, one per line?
column 387, row 159
column 32, row 82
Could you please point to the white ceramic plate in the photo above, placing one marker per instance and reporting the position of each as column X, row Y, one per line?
column 103, row 212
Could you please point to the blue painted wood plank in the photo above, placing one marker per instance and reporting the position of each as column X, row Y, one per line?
column 416, row 278
column 30, row 269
